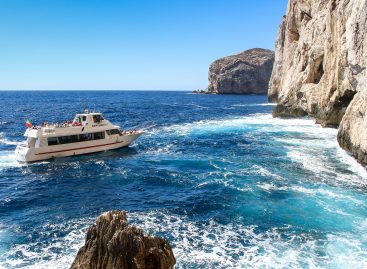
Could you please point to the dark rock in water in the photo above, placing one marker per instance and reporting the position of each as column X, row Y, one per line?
column 111, row 243
column 199, row 91
column 243, row 73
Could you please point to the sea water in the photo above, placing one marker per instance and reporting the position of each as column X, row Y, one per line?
column 228, row 185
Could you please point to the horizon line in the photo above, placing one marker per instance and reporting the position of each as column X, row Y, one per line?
column 95, row 90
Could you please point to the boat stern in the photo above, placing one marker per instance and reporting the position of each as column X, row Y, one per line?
column 22, row 153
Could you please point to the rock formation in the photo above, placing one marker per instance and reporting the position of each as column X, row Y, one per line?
column 200, row 91
column 320, row 67
column 246, row 72
column 111, row 243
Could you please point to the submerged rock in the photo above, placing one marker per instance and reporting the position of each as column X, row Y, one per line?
column 242, row 73
column 111, row 243
column 320, row 67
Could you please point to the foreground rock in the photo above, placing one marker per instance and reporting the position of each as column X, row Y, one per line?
column 243, row 73
column 111, row 243
column 320, row 67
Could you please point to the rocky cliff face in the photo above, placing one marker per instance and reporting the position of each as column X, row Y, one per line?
column 111, row 244
column 246, row 72
column 320, row 67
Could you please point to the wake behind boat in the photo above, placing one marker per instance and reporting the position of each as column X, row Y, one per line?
column 89, row 132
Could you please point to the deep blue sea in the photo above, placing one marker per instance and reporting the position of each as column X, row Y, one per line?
column 224, row 182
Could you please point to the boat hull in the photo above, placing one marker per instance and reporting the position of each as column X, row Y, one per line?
column 25, row 154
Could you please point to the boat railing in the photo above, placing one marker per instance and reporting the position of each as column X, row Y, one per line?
column 49, row 129
column 57, row 125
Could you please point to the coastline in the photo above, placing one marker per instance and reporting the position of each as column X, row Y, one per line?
column 320, row 69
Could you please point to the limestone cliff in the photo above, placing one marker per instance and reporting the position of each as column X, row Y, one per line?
column 111, row 244
column 246, row 72
column 320, row 67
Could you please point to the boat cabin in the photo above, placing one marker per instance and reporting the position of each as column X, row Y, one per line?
column 88, row 118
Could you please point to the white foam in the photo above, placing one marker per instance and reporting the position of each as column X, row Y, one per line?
column 161, row 149
column 307, row 141
column 312, row 161
column 7, row 160
column 260, row 104
column 57, row 254
column 215, row 245
column 347, row 252
column 318, row 193
column 263, row 123
column 258, row 169
column 352, row 163
column 266, row 104
column 5, row 141
column 205, row 245
column 213, row 125
column 324, row 157
column 271, row 187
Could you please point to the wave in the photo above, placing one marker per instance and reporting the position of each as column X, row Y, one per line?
column 257, row 169
column 7, row 160
column 327, row 160
column 319, row 193
column 353, row 165
column 201, row 245
column 215, row 245
column 5, row 141
column 249, row 105
column 264, row 122
column 58, row 253
column 312, row 146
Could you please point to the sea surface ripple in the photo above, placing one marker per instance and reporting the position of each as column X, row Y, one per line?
column 228, row 185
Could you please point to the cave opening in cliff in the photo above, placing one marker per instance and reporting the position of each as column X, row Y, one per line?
column 319, row 72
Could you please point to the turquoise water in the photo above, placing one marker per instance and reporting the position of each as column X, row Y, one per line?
column 227, row 184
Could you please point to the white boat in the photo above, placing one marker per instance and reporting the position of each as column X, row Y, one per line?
column 89, row 132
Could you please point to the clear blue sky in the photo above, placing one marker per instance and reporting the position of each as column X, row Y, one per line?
column 126, row 44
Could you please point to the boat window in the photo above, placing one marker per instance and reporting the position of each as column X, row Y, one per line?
column 75, row 138
column 99, row 135
column 68, row 139
column 84, row 118
column 97, row 118
column 85, row 137
column 113, row 132
column 52, row 141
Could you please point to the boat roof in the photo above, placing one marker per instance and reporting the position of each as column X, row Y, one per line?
column 86, row 113
column 76, row 126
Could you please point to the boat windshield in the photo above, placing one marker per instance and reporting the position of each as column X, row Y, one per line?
column 97, row 118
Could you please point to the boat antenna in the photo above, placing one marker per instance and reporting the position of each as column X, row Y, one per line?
column 82, row 104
